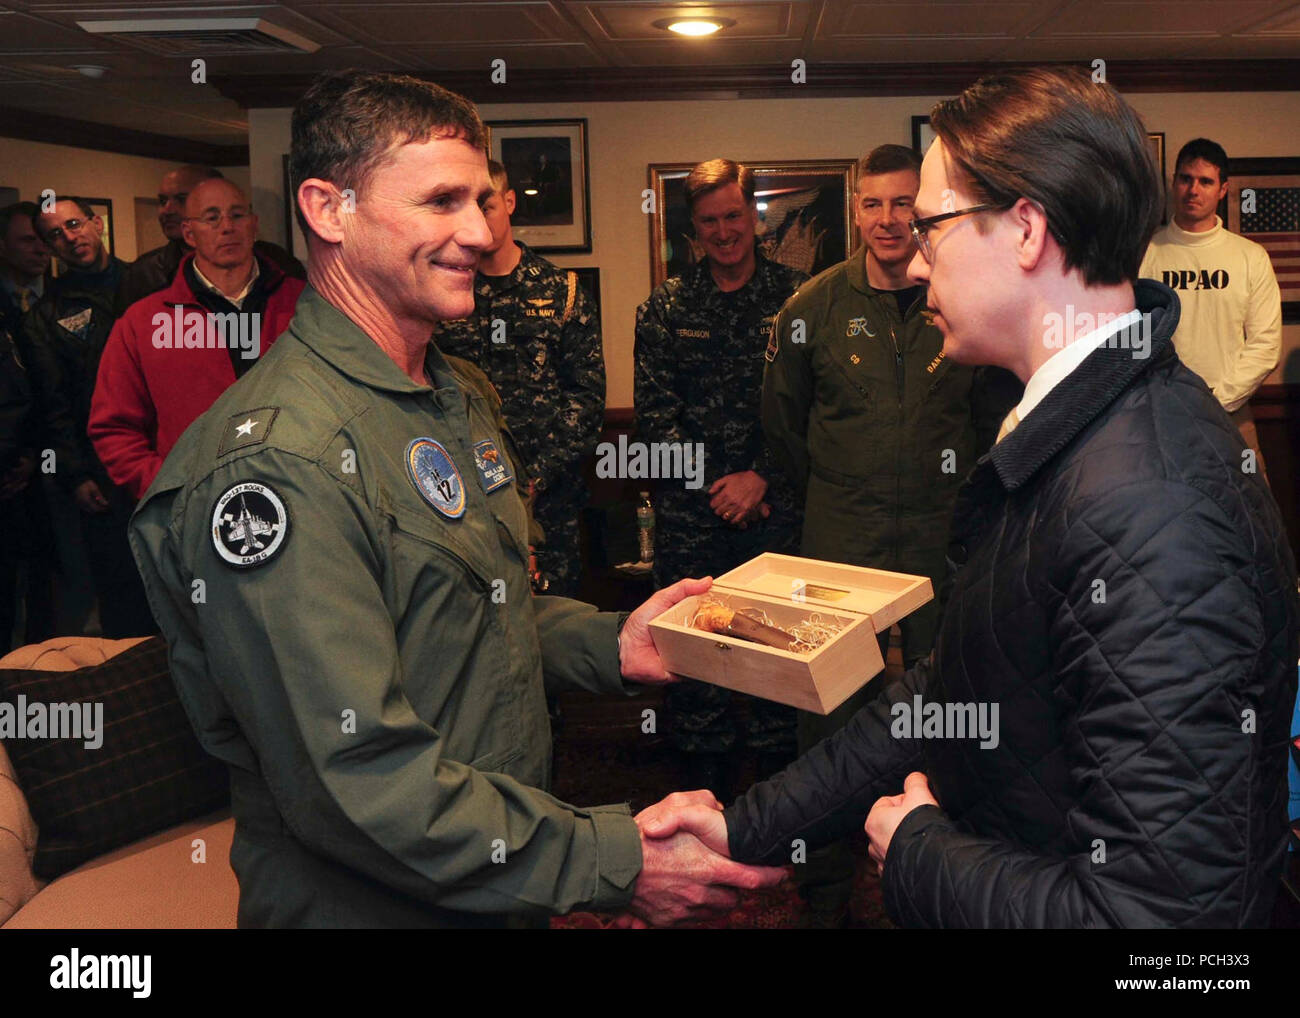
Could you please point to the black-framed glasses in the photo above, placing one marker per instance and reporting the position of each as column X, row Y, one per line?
column 70, row 227
column 921, row 227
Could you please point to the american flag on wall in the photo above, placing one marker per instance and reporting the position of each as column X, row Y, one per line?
column 1274, row 223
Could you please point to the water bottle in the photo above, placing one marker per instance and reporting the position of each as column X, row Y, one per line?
column 645, row 527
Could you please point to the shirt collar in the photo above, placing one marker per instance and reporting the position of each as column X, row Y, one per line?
column 487, row 285
column 703, row 276
column 1185, row 237
column 37, row 287
column 237, row 299
column 1053, row 371
column 1107, row 372
column 337, row 339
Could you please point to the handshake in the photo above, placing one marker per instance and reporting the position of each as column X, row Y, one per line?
column 686, row 870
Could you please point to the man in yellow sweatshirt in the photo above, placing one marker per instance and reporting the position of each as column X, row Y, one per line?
column 1230, row 332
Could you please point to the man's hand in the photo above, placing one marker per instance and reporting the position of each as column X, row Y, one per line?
column 638, row 661
column 682, row 880
column 697, row 813
column 735, row 496
column 89, row 498
column 890, row 810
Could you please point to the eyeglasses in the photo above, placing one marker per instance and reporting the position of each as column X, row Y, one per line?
column 212, row 218
column 921, row 227
column 70, row 227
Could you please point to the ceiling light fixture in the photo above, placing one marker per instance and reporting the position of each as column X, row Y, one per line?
column 694, row 26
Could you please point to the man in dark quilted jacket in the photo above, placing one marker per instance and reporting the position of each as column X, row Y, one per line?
column 1099, row 739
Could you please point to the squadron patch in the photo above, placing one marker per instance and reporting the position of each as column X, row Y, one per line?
column 77, row 323
column 493, row 468
column 249, row 524
column 436, row 477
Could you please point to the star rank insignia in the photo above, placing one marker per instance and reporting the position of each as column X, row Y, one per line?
column 248, row 427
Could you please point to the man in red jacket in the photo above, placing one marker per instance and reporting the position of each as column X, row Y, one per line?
column 174, row 352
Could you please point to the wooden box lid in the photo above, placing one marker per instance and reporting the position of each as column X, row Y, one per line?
column 884, row 596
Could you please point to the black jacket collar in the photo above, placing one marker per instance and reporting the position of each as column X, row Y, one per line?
column 1090, row 388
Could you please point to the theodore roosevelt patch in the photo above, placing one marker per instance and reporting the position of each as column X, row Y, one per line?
column 434, row 474
column 249, row 524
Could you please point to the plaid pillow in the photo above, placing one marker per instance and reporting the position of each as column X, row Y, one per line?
column 105, row 755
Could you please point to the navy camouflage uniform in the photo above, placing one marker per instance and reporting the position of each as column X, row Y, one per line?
column 699, row 379
column 546, row 361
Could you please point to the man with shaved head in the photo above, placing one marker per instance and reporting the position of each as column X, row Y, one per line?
column 175, row 351
column 154, row 270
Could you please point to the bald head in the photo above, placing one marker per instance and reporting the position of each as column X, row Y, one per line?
column 173, row 192
column 219, row 224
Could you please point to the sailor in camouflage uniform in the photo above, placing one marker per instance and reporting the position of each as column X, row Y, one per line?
column 700, row 340
column 536, row 334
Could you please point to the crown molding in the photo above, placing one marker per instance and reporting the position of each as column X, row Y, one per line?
column 54, row 130
column 613, row 84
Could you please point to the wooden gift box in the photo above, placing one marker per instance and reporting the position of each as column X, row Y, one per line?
column 789, row 589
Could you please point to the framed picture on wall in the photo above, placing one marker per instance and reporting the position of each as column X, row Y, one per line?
column 546, row 163
column 805, row 215
column 922, row 135
column 1156, row 143
column 104, row 209
column 293, row 238
column 589, row 280
column 1263, row 205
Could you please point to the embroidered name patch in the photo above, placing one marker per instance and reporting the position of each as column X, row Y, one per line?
column 492, row 465
column 249, row 524
column 436, row 477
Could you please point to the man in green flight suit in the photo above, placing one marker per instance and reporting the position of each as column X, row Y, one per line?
column 336, row 555
column 863, row 411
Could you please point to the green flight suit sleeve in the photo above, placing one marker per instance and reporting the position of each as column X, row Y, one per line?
column 580, row 647
column 581, row 411
column 787, row 399
column 302, row 647
column 659, row 408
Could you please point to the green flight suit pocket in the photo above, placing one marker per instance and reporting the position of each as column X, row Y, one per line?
column 444, row 586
